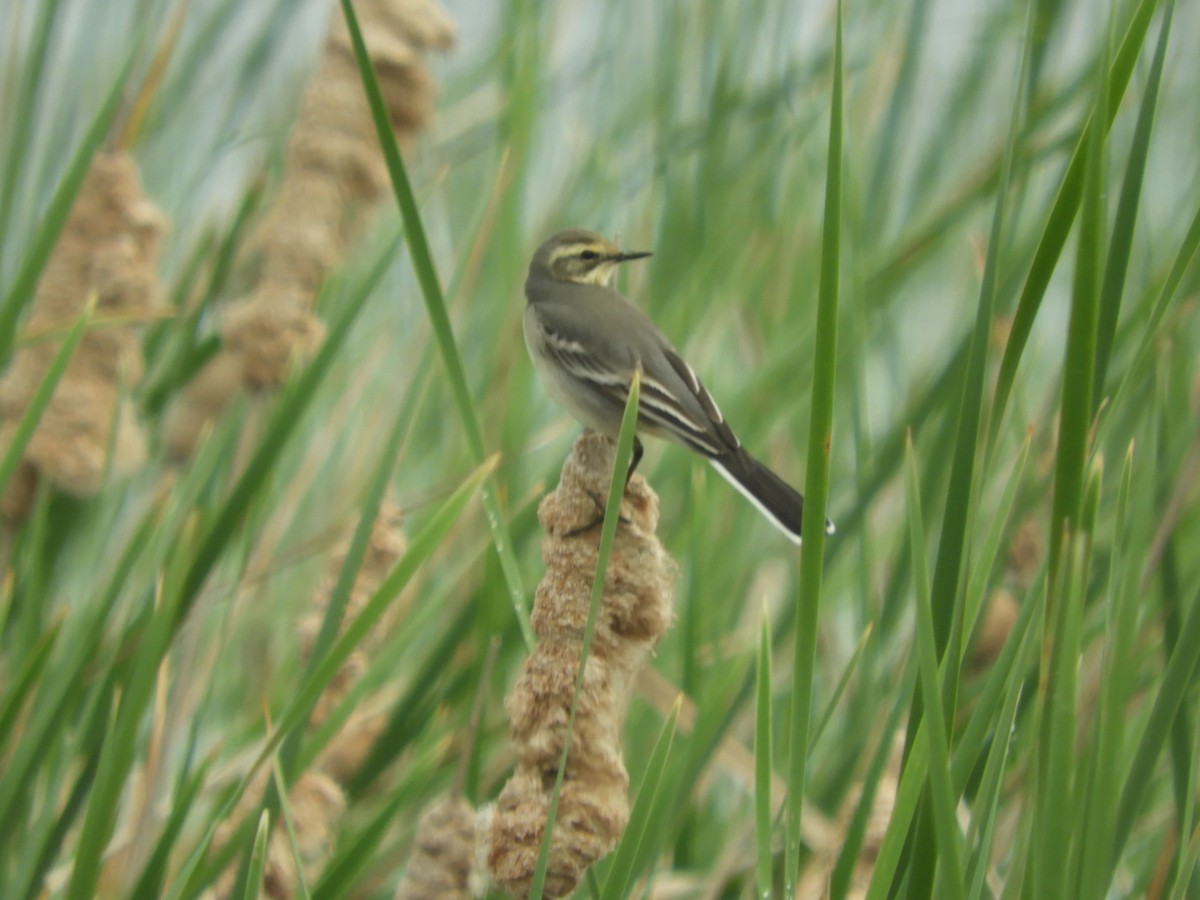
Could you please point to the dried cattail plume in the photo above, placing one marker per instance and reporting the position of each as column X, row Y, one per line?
column 996, row 622
column 317, row 800
column 333, row 174
column 387, row 544
column 109, row 249
column 444, row 864
column 635, row 612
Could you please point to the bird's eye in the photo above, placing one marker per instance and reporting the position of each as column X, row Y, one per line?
column 589, row 255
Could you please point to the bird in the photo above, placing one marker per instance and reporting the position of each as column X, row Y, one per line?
column 586, row 340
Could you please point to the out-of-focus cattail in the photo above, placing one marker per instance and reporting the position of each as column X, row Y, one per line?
column 333, row 174
column 1026, row 549
column 443, row 863
column 316, row 799
column 109, row 248
column 635, row 612
column 995, row 625
column 346, row 751
column 317, row 804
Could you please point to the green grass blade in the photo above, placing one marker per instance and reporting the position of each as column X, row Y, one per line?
column 1062, row 214
column 285, row 812
column 908, row 794
column 258, row 857
column 981, row 723
column 20, row 128
column 119, row 750
column 1187, row 858
column 42, row 396
column 984, row 559
column 41, row 861
column 612, row 515
column 949, row 840
column 1118, row 677
column 354, row 855
column 1143, row 356
column 1121, row 243
column 58, row 692
column 817, row 479
column 421, row 548
column 404, row 718
column 622, row 870
column 963, row 485
column 1080, row 356
column 150, row 884
column 843, row 682
column 987, row 806
column 1176, row 680
column 14, row 695
column 435, row 306
column 848, row 857
column 423, row 545
column 336, row 607
column 762, row 761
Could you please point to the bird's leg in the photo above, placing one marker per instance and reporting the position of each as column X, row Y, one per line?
column 599, row 503
column 638, row 449
column 599, row 520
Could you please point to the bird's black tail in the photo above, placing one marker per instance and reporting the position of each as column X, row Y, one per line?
column 774, row 497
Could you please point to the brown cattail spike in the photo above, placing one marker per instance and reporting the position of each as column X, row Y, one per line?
column 635, row 612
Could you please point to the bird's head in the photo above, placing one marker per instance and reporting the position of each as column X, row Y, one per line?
column 580, row 257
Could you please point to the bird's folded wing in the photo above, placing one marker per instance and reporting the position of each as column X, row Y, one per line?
column 698, row 423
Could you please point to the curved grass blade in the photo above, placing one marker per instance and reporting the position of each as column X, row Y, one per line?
column 289, row 822
column 612, row 515
column 336, row 606
column 32, row 668
column 1176, row 681
column 946, row 830
column 986, row 808
column 258, row 857
column 1118, row 677
column 1179, row 267
column 150, row 884
column 843, row 682
column 762, row 760
column 422, row 547
column 908, row 794
column 353, row 856
column 856, row 829
column 622, row 870
column 1121, row 242
column 120, row 746
column 20, row 128
column 426, row 542
column 1062, row 214
column 435, row 306
column 817, row 478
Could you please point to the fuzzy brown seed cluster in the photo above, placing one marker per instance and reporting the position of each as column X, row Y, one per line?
column 109, row 248
column 442, row 865
column 333, row 173
column 635, row 612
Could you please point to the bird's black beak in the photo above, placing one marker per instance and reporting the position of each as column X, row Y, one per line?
column 626, row 257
